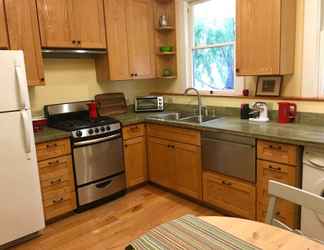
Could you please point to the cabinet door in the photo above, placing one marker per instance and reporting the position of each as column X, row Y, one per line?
column 3, row 30
column 89, row 23
column 135, row 161
column 140, row 29
column 24, row 35
column 286, row 211
column 258, row 37
column 56, row 23
column 161, row 158
column 115, row 14
column 188, row 170
column 230, row 194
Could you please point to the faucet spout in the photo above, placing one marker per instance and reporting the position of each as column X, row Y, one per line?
column 199, row 100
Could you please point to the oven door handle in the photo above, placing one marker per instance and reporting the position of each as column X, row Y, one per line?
column 88, row 142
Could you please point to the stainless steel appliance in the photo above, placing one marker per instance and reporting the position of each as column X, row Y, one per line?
column 97, row 152
column 149, row 103
column 228, row 154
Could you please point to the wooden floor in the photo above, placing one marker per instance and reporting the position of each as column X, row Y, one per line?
column 114, row 225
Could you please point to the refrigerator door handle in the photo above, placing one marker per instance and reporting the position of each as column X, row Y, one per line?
column 21, row 85
column 26, row 131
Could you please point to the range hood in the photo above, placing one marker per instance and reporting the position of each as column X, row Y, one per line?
column 73, row 53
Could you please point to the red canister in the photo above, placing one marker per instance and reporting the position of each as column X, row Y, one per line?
column 287, row 112
column 92, row 110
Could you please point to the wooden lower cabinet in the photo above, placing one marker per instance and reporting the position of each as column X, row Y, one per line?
column 176, row 166
column 135, row 161
column 286, row 211
column 3, row 29
column 230, row 194
column 56, row 177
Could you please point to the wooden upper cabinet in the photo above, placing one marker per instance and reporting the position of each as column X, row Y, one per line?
column 56, row 23
column 117, row 41
column 3, row 29
column 89, row 22
column 23, row 34
column 140, row 28
column 72, row 23
column 265, row 37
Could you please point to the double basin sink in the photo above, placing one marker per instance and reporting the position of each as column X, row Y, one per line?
column 184, row 117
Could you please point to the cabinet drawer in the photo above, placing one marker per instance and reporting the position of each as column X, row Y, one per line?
column 277, row 152
column 55, row 178
column 133, row 131
column 53, row 149
column 180, row 135
column 59, row 203
column 230, row 194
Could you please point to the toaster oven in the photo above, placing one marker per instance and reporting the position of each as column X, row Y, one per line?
column 149, row 104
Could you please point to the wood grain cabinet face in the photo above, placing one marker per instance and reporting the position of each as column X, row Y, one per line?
column 265, row 37
column 3, row 29
column 135, row 161
column 130, row 40
column 23, row 34
column 71, row 23
column 230, row 194
column 140, row 28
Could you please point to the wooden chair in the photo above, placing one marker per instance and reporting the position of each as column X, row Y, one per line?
column 294, row 195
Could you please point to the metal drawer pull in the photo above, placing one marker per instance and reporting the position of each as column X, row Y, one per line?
column 227, row 183
column 104, row 184
column 54, row 163
column 171, row 146
column 275, row 147
column 51, row 145
column 58, row 200
column 58, row 181
column 274, row 168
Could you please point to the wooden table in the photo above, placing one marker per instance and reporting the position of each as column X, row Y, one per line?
column 262, row 235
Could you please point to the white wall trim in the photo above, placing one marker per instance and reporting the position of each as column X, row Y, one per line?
column 311, row 51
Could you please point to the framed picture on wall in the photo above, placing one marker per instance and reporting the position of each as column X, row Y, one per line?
column 269, row 86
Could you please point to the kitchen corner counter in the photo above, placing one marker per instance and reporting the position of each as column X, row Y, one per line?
column 50, row 134
column 293, row 133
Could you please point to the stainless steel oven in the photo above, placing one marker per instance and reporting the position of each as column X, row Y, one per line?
column 99, row 168
column 149, row 103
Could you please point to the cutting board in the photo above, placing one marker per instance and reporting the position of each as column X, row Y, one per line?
column 111, row 104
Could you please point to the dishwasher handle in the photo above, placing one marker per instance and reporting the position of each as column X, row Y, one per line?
column 227, row 142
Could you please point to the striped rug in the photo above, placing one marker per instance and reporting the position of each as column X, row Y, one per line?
column 188, row 233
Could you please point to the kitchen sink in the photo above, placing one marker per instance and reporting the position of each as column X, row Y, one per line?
column 185, row 117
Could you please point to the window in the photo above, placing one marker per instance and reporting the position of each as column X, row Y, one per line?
column 212, row 45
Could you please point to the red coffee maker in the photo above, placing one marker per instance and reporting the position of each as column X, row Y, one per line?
column 92, row 110
column 287, row 112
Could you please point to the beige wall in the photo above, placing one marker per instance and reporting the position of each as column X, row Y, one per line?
column 75, row 80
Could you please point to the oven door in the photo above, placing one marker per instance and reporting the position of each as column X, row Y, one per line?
column 97, row 159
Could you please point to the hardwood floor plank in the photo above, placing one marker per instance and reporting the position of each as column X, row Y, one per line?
column 115, row 224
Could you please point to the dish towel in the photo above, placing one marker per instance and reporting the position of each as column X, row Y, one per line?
column 188, row 233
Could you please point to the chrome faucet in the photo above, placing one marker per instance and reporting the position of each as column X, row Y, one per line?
column 199, row 100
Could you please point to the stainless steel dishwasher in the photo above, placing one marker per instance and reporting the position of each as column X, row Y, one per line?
column 228, row 154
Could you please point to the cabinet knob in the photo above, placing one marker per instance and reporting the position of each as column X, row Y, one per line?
column 136, row 74
column 237, row 70
column 132, row 75
column 79, row 42
column 73, row 41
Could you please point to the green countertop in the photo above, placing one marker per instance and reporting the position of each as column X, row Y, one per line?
column 50, row 134
column 294, row 133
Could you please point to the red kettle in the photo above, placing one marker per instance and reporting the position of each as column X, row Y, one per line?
column 287, row 112
column 92, row 110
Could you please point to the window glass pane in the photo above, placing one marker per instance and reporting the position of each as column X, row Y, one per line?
column 213, row 68
column 213, row 22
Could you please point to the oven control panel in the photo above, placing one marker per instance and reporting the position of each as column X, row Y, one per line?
column 87, row 132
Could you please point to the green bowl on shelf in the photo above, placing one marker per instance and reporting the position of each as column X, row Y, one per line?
column 165, row 49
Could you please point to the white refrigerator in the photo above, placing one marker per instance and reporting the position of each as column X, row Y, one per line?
column 21, row 210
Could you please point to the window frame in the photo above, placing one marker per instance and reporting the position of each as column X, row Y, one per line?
column 238, row 81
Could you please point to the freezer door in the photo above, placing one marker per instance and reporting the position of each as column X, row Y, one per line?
column 13, row 83
column 21, row 211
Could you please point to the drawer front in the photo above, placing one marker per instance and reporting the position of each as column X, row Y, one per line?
column 59, row 203
column 277, row 152
column 133, row 131
column 53, row 149
column 230, row 194
column 186, row 136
